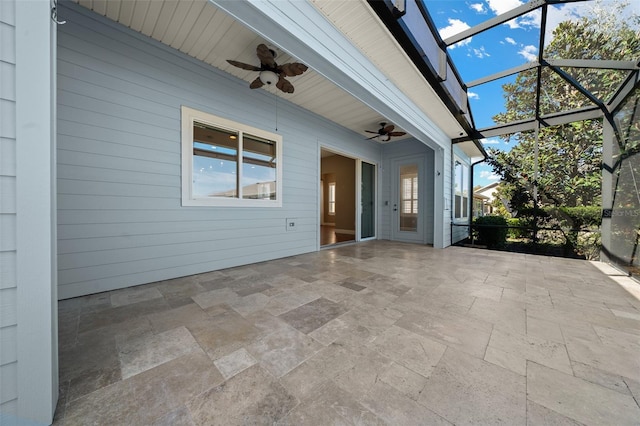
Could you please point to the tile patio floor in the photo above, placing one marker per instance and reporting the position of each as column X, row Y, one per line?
column 374, row 333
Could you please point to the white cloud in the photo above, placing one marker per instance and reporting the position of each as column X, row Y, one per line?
column 480, row 53
column 489, row 175
column 490, row 141
column 510, row 40
column 531, row 19
column 455, row 26
column 478, row 7
column 473, row 95
column 501, row 6
column 529, row 52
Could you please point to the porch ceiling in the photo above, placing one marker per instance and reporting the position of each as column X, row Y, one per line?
column 202, row 30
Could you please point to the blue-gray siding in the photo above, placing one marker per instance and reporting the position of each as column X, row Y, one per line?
column 120, row 220
column 8, row 285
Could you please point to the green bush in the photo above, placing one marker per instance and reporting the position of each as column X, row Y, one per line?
column 492, row 231
column 581, row 216
column 517, row 232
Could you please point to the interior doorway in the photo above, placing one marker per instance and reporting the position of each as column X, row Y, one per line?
column 348, row 191
column 338, row 198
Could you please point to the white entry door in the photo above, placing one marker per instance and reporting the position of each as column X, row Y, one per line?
column 407, row 210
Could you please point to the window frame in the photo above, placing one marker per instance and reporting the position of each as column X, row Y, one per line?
column 331, row 199
column 188, row 117
column 460, row 213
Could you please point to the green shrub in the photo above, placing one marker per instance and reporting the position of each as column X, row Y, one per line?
column 582, row 216
column 492, row 231
column 517, row 232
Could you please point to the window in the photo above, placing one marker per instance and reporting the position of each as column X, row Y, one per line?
column 461, row 190
column 409, row 200
column 332, row 198
column 225, row 163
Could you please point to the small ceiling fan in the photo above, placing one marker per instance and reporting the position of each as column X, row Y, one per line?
column 270, row 72
column 385, row 130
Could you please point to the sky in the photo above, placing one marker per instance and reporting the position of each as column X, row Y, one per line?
column 505, row 46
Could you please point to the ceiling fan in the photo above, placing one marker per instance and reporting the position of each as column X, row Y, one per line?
column 270, row 72
column 387, row 131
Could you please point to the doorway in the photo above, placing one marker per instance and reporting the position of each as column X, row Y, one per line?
column 338, row 198
column 408, row 203
column 347, row 199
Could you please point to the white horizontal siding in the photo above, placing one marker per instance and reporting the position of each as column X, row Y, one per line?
column 120, row 219
column 8, row 290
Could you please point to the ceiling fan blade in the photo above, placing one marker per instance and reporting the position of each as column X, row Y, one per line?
column 265, row 55
column 292, row 69
column 372, row 137
column 284, row 84
column 243, row 65
column 388, row 128
column 396, row 133
column 387, row 139
column 256, row 84
column 369, row 131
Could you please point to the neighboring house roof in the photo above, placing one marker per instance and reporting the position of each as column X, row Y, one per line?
column 487, row 191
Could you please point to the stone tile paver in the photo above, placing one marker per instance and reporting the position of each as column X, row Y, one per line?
column 578, row 399
column 371, row 333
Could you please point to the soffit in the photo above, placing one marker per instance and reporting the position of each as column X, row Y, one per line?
column 362, row 27
column 201, row 30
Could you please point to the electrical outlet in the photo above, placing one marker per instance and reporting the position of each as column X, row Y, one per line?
column 291, row 224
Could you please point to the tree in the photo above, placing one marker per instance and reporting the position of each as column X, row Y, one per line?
column 569, row 156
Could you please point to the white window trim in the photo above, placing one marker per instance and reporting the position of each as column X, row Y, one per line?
column 189, row 115
column 465, row 213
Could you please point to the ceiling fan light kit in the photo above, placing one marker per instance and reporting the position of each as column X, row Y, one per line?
column 269, row 78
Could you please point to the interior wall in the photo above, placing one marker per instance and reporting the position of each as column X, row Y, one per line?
column 327, row 178
column 343, row 172
column 120, row 219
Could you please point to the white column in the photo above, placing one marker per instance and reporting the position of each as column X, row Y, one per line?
column 441, row 198
column 35, row 205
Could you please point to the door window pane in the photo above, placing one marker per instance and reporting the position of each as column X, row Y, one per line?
column 368, row 201
column 409, row 198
